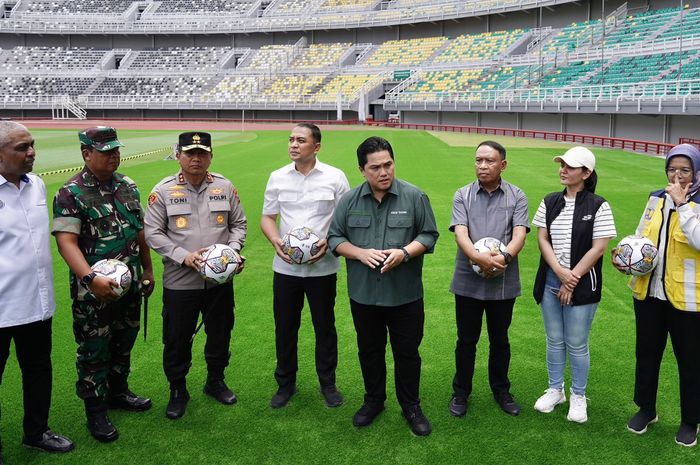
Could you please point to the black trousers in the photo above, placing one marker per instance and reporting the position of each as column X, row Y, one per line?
column 405, row 325
column 655, row 319
column 181, row 309
column 33, row 349
column 469, row 315
column 288, row 303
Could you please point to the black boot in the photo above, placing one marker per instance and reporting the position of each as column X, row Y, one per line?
column 178, row 400
column 97, row 421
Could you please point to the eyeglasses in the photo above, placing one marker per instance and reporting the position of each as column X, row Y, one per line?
column 681, row 171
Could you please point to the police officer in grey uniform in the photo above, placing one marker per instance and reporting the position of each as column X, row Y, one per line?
column 186, row 213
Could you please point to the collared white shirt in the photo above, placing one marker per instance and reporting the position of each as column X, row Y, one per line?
column 308, row 201
column 26, row 276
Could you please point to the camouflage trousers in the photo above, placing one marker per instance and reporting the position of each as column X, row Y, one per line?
column 105, row 334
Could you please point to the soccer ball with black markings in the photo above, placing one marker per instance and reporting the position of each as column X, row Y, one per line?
column 487, row 244
column 118, row 271
column 220, row 263
column 636, row 255
column 300, row 244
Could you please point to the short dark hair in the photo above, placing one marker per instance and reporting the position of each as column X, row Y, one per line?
column 372, row 144
column 494, row 145
column 315, row 131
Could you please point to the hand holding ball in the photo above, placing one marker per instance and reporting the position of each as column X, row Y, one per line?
column 300, row 244
column 115, row 270
column 492, row 245
column 219, row 263
column 635, row 255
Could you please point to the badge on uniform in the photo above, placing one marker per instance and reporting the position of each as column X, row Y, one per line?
column 216, row 191
column 219, row 219
column 181, row 222
column 177, row 194
column 152, row 198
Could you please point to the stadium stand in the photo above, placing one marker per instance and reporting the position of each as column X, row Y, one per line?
column 272, row 57
column 152, row 88
column 76, row 7
column 233, row 88
column 405, row 52
column 51, row 58
column 478, row 46
column 180, row 59
column 639, row 57
column 15, row 88
column 347, row 84
column 321, row 56
column 575, row 36
column 293, row 88
column 334, row 5
column 210, row 6
column 641, row 27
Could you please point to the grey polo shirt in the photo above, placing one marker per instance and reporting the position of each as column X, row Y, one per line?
column 404, row 215
column 488, row 215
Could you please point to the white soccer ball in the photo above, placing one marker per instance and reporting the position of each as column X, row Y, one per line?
column 300, row 244
column 114, row 269
column 220, row 262
column 636, row 255
column 487, row 244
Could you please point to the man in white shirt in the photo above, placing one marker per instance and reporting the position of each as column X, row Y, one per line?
column 27, row 302
column 304, row 193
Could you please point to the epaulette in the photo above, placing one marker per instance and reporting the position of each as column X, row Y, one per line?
column 128, row 180
column 165, row 180
column 217, row 175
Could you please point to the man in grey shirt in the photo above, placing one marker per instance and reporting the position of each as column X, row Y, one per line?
column 487, row 207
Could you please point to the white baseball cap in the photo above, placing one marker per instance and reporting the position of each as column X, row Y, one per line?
column 577, row 157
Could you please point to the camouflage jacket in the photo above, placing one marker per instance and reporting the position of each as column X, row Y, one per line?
column 106, row 217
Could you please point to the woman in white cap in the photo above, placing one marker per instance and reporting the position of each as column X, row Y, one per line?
column 667, row 300
column 574, row 227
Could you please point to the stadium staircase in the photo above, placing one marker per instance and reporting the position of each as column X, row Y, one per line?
column 63, row 107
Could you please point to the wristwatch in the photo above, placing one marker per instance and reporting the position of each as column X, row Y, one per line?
column 406, row 255
column 508, row 257
column 87, row 279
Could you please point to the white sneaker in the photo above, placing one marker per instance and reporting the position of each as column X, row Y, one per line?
column 577, row 409
column 551, row 398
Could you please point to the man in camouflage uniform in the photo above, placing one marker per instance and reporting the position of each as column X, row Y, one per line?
column 98, row 215
column 186, row 213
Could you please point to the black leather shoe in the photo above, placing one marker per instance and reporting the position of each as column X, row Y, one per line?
column 219, row 391
column 508, row 404
column 49, row 442
column 420, row 426
column 177, row 404
column 457, row 406
column 332, row 396
column 101, row 428
column 282, row 396
column 366, row 415
column 127, row 400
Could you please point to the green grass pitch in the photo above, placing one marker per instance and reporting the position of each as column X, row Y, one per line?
column 307, row 432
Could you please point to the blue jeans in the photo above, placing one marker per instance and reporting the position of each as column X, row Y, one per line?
column 567, row 329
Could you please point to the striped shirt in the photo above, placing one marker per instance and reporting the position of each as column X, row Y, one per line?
column 560, row 230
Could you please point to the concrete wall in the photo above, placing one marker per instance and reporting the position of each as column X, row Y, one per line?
column 683, row 126
column 642, row 127
column 546, row 122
